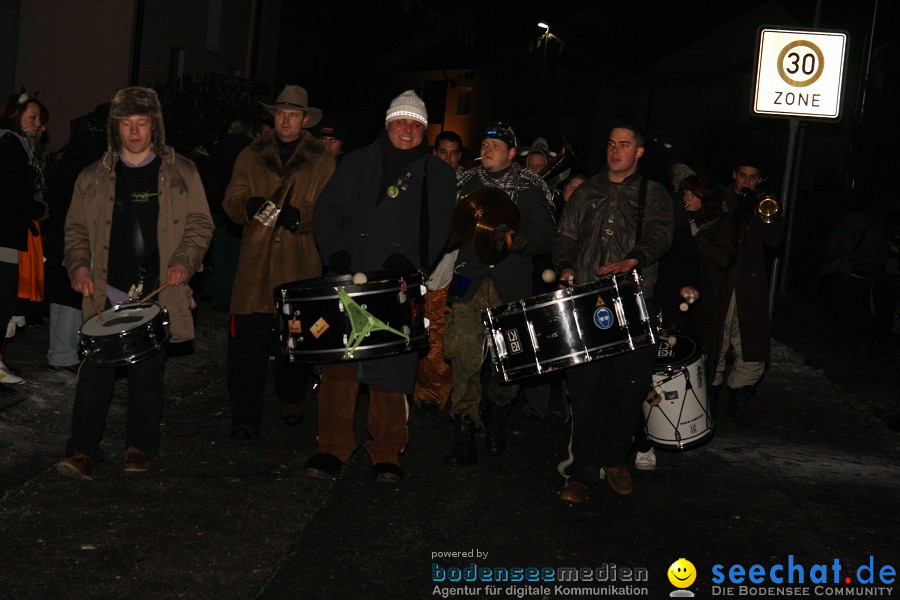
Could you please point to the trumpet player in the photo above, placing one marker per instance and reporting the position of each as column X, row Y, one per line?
column 746, row 320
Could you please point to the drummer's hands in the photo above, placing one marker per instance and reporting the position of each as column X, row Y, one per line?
column 566, row 278
column 83, row 284
column 690, row 294
column 177, row 274
column 618, row 266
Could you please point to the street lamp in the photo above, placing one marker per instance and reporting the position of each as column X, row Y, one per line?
column 546, row 29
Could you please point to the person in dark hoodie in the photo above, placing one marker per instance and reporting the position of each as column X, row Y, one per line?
column 368, row 219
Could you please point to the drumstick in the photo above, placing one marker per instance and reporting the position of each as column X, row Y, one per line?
column 153, row 293
column 96, row 307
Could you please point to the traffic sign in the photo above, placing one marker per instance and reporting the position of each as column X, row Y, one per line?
column 800, row 73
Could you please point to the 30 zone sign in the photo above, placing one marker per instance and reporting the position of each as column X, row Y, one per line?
column 799, row 73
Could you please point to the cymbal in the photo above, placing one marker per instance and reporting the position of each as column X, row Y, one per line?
column 500, row 217
column 486, row 203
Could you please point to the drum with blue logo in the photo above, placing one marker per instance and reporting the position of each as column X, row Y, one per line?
column 568, row 327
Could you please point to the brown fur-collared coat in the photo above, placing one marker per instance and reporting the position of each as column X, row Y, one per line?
column 271, row 257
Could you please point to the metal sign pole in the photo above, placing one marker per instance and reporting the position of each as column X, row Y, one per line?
column 785, row 190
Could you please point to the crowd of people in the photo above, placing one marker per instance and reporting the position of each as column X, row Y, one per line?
column 282, row 200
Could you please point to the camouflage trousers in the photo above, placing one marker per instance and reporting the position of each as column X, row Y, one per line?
column 465, row 348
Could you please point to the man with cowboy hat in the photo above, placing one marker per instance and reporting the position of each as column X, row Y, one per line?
column 273, row 189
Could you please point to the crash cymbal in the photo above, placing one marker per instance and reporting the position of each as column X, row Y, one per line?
column 471, row 207
column 490, row 245
column 500, row 210
column 499, row 218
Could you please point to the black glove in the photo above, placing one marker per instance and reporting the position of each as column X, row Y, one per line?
column 288, row 218
column 339, row 263
column 398, row 264
column 253, row 206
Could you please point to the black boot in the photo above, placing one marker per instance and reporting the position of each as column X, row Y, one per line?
column 737, row 404
column 495, row 440
column 464, row 452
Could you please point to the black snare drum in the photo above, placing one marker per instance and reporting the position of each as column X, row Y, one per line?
column 125, row 334
column 568, row 327
column 317, row 328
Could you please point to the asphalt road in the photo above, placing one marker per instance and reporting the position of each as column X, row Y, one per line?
column 816, row 479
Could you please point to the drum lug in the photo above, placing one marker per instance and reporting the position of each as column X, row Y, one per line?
column 499, row 343
column 401, row 297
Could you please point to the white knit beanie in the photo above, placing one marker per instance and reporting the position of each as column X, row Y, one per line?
column 407, row 106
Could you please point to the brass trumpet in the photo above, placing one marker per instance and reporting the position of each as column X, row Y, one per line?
column 767, row 208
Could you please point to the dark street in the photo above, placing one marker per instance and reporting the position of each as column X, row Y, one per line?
column 815, row 479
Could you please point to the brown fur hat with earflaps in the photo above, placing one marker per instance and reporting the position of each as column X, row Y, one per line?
column 130, row 101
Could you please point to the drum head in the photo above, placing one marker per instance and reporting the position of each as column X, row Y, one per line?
column 683, row 352
column 118, row 319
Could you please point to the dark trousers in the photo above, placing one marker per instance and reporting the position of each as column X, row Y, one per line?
column 145, row 405
column 605, row 395
column 250, row 343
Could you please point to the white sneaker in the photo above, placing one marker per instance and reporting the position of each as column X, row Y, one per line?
column 645, row 461
column 19, row 320
column 7, row 377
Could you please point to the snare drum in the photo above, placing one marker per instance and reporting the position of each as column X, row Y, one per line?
column 317, row 329
column 126, row 334
column 677, row 415
column 568, row 327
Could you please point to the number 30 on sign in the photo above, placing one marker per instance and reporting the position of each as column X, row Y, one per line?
column 800, row 73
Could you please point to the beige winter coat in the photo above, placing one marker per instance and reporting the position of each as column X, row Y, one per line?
column 184, row 231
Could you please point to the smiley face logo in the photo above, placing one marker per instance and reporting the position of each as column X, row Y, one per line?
column 682, row 573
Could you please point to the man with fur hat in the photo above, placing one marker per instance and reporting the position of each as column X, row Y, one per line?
column 273, row 189
column 477, row 286
column 382, row 201
column 138, row 219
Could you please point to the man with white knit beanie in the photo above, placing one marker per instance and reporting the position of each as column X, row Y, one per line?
column 388, row 207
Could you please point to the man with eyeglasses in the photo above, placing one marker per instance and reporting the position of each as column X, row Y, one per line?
column 477, row 286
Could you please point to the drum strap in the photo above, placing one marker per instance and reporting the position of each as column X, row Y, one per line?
column 639, row 213
column 424, row 231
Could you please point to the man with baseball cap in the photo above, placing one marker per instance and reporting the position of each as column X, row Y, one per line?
column 382, row 203
column 273, row 189
column 478, row 286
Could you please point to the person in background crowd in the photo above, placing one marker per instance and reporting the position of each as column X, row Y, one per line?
column 22, row 120
column 448, row 147
column 226, row 243
column 434, row 378
column 332, row 135
column 87, row 145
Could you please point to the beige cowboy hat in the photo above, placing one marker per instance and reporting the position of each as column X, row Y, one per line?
column 294, row 97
